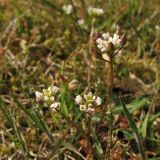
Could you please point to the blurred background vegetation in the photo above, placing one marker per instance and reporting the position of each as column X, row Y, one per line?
column 41, row 45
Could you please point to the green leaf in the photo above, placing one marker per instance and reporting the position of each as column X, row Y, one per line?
column 63, row 99
column 36, row 118
column 98, row 150
column 138, row 104
column 10, row 118
column 129, row 117
column 70, row 147
column 145, row 126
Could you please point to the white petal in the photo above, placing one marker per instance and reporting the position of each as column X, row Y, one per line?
column 78, row 99
column 115, row 38
column 55, row 106
column 67, row 9
column 118, row 43
column 99, row 40
column 98, row 101
column 55, row 89
column 81, row 22
column 103, row 49
column 39, row 95
column 106, row 36
column 110, row 39
column 99, row 46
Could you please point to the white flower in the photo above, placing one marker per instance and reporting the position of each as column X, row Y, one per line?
column 81, row 22
column 49, row 97
column 106, row 39
column 116, row 40
column 54, row 106
column 78, row 99
column 99, row 40
column 50, row 91
column 88, row 102
column 98, row 101
column 102, row 44
column 54, row 89
column 95, row 11
column 39, row 95
column 89, row 98
column 67, row 9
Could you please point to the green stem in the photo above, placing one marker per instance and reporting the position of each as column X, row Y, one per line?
column 110, row 101
column 110, row 92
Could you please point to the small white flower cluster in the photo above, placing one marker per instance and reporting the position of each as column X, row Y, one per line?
column 95, row 11
column 68, row 9
column 48, row 96
column 88, row 102
column 104, row 42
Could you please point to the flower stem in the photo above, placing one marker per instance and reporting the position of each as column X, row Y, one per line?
column 111, row 77
column 140, row 146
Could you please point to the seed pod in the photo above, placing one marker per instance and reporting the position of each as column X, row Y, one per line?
column 123, row 39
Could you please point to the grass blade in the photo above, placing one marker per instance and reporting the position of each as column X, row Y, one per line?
column 11, row 120
column 135, row 130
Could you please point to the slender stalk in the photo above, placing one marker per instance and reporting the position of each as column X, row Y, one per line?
column 111, row 77
column 110, row 92
column 89, row 147
column 140, row 146
column 80, row 129
column 110, row 102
